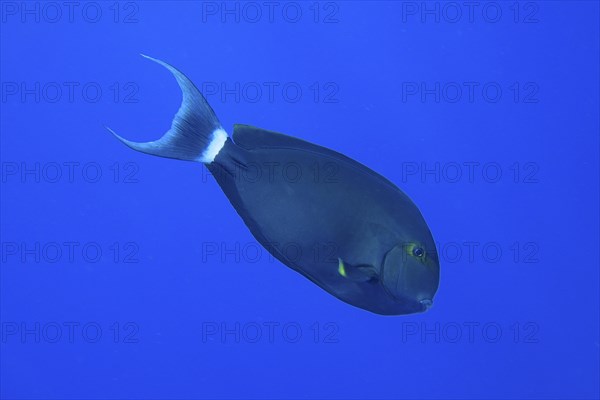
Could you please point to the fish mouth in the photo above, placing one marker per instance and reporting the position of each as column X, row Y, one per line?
column 426, row 303
column 405, row 285
column 389, row 291
column 415, row 306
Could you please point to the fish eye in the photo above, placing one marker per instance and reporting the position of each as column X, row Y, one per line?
column 418, row 252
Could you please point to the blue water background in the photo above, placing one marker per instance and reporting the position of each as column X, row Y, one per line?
column 178, row 320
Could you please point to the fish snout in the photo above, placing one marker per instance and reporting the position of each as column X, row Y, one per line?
column 426, row 303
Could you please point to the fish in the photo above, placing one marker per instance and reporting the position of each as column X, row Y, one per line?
column 333, row 220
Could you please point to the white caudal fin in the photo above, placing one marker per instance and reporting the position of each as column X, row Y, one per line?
column 196, row 133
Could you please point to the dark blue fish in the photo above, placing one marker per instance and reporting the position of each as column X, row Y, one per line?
column 354, row 233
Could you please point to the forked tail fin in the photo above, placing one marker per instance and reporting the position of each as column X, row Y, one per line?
column 196, row 133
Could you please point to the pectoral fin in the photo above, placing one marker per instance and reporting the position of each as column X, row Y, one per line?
column 357, row 273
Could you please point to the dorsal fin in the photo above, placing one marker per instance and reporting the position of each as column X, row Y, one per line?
column 250, row 137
